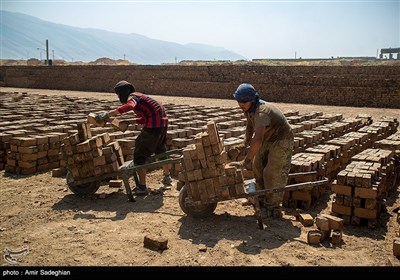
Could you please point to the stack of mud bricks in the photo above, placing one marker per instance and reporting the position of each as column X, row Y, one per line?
column 28, row 155
column 331, row 155
column 381, row 129
column 351, row 144
column 392, row 143
column 360, row 189
column 88, row 156
column 329, row 228
column 304, row 198
column 204, row 170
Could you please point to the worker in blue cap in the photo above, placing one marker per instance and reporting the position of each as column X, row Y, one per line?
column 270, row 140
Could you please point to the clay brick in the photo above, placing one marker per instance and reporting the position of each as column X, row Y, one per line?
column 342, row 189
column 336, row 237
column 396, row 247
column 334, row 222
column 366, row 213
column 306, row 219
column 366, row 193
column 91, row 119
column 322, row 223
column 155, row 242
column 314, row 237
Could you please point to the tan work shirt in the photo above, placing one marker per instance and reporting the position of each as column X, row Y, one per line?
column 269, row 116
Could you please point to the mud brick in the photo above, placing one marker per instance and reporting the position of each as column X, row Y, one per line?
column 53, row 138
column 28, row 157
column 306, row 219
column 232, row 191
column 115, row 183
column 322, row 223
column 200, row 151
column 83, row 147
column 239, row 189
column 225, row 192
column 54, row 164
column 370, row 203
column 347, row 200
column 28, row 171
column 366, row 193
column 14, row 148
column 210, row 188
column 121, row 126
column 196, row 164
column 210, row 162
column 325, row 234
column 366, row 213
column 301, row 195
column 106, row 138
column 205, row 139
column 53, row 152
column 111, row 158
column 27, row 164
column 96, row 142
column 107, row 150
column 11, row 162
column 334, row 222
column 357, row 202
column 155, row 242
column 73, row 139
column 212, row 133
column 314, row 237
column 339, row 199
column 27, row 141
column 396, row 247
column 97, row 161
column 115, row 146
column 221, row 158
column 216, row 148
column 208, row 151
column 366, row 180
column 109, row 168
column 336, row 237
column 341, row 189
column 4, row 137
column 238, row 177
column 45, row 160
column 98, row 152
column 28, row 150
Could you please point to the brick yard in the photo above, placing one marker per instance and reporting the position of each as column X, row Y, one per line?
column 350, row 222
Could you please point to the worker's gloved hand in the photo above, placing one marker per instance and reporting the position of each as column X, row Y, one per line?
column 102, row 117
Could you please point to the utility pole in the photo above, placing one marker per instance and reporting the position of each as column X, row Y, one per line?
column 53, row 53
column 47, row 52
column 295, row 54
column 124, row 56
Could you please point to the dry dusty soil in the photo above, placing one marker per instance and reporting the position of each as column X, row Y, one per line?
column 62, row 229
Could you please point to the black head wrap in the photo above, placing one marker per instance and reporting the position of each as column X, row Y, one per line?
column 124, row 89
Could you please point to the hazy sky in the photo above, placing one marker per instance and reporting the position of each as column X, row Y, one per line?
column 254, row 29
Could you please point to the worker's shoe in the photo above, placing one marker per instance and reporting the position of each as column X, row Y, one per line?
column 140, row 190
column 167, row 180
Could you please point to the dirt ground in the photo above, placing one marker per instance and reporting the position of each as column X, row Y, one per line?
column 62, row 229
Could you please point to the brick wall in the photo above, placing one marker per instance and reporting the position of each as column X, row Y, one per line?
column 359, row 86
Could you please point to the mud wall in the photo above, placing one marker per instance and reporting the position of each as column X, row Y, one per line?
column 359, row 86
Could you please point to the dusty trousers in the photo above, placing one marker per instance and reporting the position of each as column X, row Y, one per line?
column 272, row 165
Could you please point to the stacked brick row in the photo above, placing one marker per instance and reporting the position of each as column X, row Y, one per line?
column 28, row 155
column 359, row 188
column 88, row 156
column 304, row 198
column 204, row 170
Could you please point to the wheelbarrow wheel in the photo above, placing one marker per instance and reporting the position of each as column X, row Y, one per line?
column 85, row 189
column 198, row 211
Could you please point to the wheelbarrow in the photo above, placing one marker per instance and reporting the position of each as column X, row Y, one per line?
column 128, row 169
column 201, row 209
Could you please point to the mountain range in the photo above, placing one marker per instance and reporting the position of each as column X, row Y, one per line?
column 24, row 37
